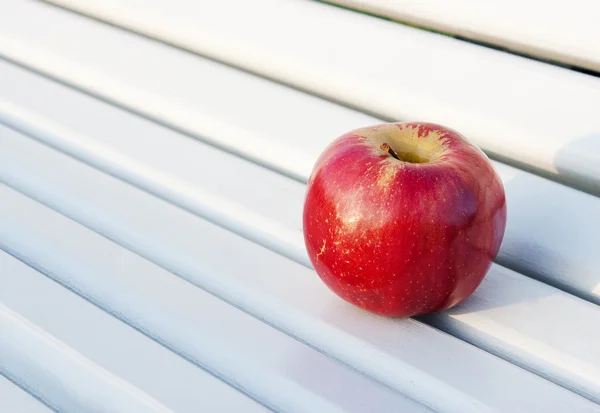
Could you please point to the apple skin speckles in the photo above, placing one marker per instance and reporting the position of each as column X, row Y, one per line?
column 398, row 238
column 387, row 174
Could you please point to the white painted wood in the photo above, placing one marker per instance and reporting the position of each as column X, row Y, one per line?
column 15, row 400
column 199, row 107
column 562, row 31
column 274, row 368
column 66, row 379
column 531, row 113
column 533, row 325
column 541, row 239
column 107, row 342
column 198, row 177
column 443, row 372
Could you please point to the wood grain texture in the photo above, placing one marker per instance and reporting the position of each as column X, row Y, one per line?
column 564, row 31
column 15, row 400
column 111, row 345
column 283, row 293
column 530, row 113
column 542, row 240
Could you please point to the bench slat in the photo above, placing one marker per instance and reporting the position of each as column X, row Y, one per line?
column 61, row 376
column 513, row 316
column 489, row 320
column 285, row 294
column 562, row 31
column 166, row 93
column 275, row 369
column 15, row 400
column 109, row 344
column 534, row 114
column 541, row 240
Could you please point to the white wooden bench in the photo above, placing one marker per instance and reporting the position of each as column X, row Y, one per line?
column 150, row 214
column 564, row 32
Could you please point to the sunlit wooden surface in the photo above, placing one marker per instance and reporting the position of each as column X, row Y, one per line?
column 150, row 214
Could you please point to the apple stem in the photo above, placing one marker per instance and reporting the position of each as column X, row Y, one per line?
column 387, row 148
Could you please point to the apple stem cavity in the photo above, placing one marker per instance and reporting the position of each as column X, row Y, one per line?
column 387, row 148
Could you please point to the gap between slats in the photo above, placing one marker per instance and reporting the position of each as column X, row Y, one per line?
column 563, row 150
column 147, row 134
column 427, row 20
column 40, row 405
column 105, row 344
column 91, row 215
column 27, row 347
column 557, row 252
column 273, row 368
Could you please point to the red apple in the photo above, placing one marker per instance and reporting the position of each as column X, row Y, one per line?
column 404, row 218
